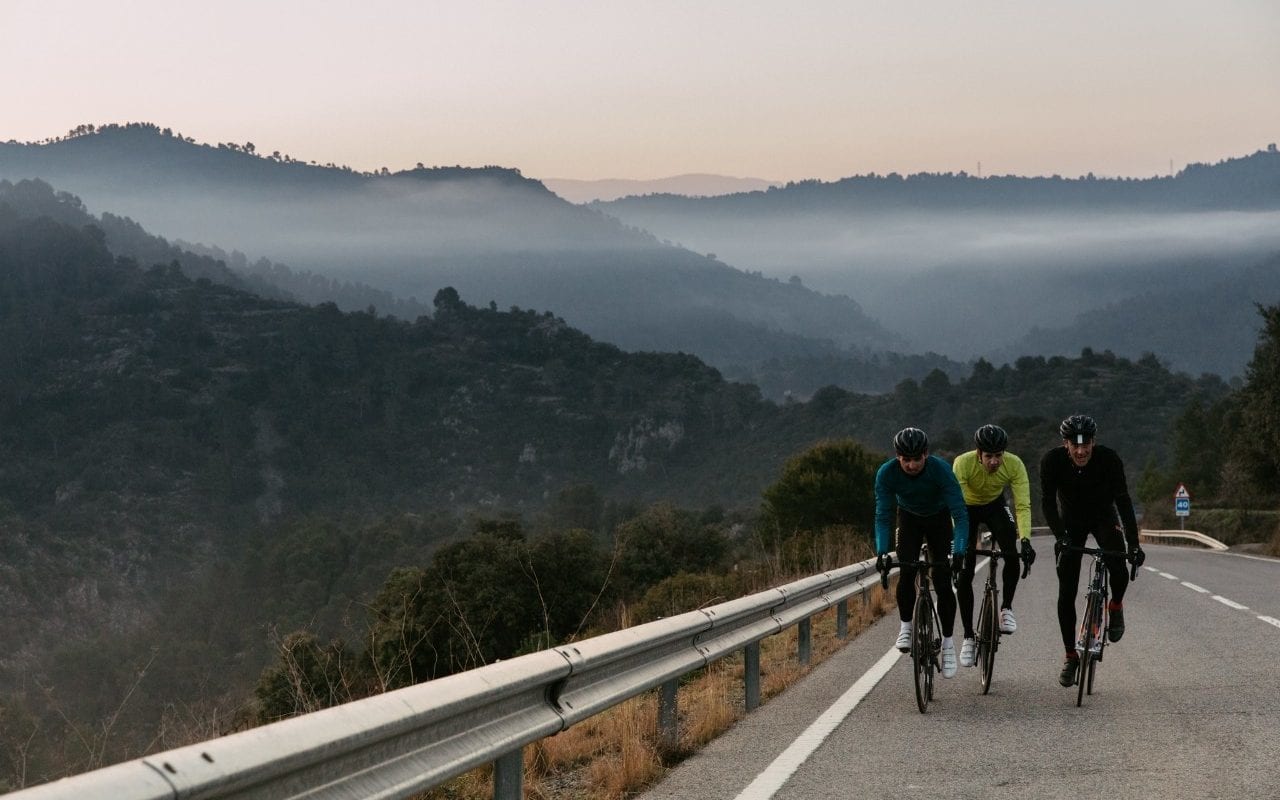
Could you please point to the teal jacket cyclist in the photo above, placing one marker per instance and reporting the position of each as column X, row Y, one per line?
column 923, row 494
column 933, row 491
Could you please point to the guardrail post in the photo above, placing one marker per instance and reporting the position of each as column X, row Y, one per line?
column 668, row 716
column 508, row 776
column 751, row 674
column 804, row 635
column 842, row 618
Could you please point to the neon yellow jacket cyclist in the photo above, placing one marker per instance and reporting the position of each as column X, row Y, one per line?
column 981, row 487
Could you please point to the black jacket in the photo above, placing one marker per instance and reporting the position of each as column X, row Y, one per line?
column 1088, row 496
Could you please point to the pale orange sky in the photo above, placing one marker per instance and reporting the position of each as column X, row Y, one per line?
column 639, row 89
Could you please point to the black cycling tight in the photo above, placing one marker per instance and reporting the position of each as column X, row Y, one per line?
column 935, row 529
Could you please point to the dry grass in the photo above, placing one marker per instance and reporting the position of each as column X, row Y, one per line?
column 617, row 753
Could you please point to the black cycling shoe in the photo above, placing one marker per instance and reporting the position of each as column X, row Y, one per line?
column 1069, row 670
column 1115, row 628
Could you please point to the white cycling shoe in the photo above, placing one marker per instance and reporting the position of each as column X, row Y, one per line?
column 1007, row 623
column 904, row 638
column 968, row 652
column 948, row 660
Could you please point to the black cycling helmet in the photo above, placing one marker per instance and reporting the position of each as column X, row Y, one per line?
column 991, row 439
column 1079, row 428
column 910, row 442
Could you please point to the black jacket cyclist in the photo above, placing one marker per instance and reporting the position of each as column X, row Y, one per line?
column 1083, row 491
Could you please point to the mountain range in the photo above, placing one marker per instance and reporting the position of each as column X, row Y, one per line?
column 489, row 233
column 859, row 282
column 1004, row 266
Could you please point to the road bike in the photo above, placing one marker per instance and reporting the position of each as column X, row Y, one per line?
column 926, row 633
column 1091, row 640
column 988, row 628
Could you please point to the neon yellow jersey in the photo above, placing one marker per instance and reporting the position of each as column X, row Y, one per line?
column 981, row 487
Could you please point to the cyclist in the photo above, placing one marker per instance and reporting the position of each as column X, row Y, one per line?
column 1083, row 491
column 930, row 508
column 983, row 474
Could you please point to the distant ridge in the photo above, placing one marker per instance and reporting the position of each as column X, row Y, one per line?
column 489, row 232
column 1244, row 183
column 692, row 184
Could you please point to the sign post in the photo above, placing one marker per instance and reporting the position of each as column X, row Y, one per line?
column 1182, row 505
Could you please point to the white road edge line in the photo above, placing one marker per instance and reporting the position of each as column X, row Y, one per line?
column 1231, row 603
column 1167, row 575
column 1270, row 621
column 1254, row 558
column 1151, row 569
column 768, row 782
column 1193, row 587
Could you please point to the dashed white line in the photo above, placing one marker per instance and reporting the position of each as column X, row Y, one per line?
column 767, row 783
column 1270, row 621
column 1167, row 575
column 1195, row 588
column 1230, row 603
column 1151, row 569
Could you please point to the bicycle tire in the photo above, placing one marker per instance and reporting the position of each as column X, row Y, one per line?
column 1085, row 649
column 988, row 637
column 935, row 648
column 922, row 650
column 1101, row 628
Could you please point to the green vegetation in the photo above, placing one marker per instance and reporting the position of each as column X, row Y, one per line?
column 1227, row 453
column 198, row 481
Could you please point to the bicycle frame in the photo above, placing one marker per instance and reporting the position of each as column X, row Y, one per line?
column 988, row 627
column 926, row 638
column 1091, row 640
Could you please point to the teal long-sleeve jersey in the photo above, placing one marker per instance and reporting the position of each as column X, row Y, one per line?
column 934, row 489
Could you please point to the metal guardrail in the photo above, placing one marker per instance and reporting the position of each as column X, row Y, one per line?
column 406, row 741
column 1156, row 536
column 1195, row 536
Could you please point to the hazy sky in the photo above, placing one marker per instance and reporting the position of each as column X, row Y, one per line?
column 651, row 88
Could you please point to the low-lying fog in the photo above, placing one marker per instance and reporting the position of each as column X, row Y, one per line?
column 963, row 284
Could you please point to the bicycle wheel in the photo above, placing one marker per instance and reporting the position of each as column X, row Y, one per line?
column 1088, row 634
column 988, row 637
column 1100, row 626
column 921, row 649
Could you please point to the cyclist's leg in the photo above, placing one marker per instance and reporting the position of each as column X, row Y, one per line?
column 1109, row 537
column 910, row 537
column 1068, row 585
column 938, row 534
column 964, row 581
column 1005, row 532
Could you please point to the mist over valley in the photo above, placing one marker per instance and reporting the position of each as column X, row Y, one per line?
column 968, row 267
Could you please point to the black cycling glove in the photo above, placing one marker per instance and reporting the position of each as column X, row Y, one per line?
column 884, row 563
column 1136, row 556
column 1028, row 553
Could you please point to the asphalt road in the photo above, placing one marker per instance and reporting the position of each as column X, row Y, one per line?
column 1186, row 705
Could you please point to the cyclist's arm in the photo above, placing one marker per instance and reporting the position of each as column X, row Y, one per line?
column 954, row 499
column 1049, row 495
column 1124, row 504
column 886, row 505
column 961, row 468
column 1020, row 484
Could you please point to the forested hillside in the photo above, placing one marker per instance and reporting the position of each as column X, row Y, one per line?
column 189, row 467
column 490, row 233
column 1209, row 328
